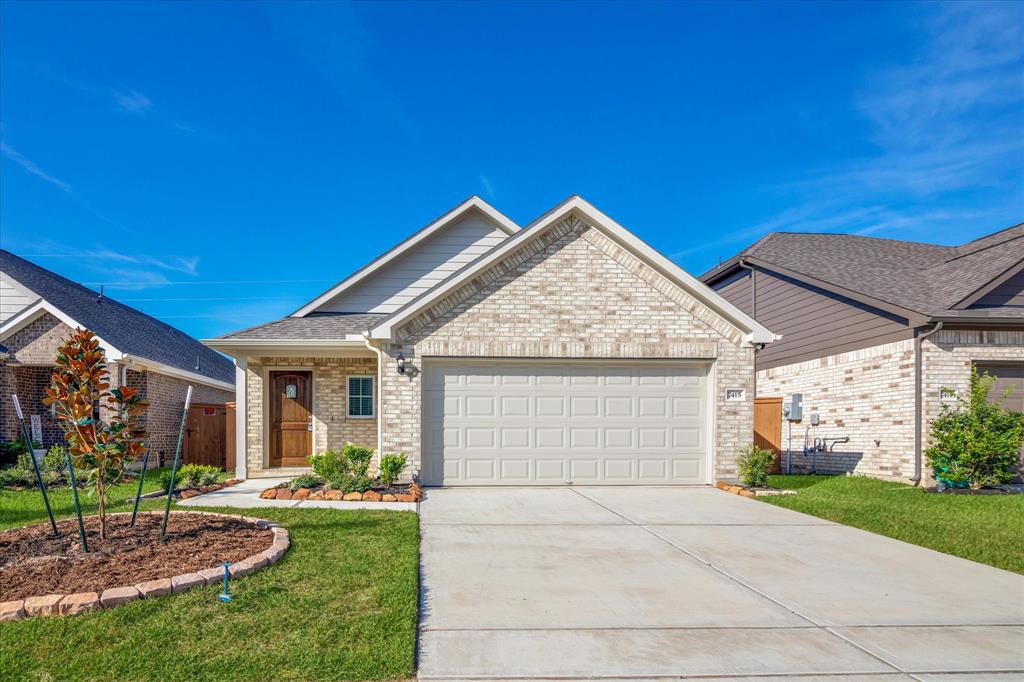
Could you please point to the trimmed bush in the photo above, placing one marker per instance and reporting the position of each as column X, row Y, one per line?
column 306, row 481
column 193, row 476
column 755, row 464
column 391, row 467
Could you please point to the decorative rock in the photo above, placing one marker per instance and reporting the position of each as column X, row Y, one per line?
column 388, row 497
column 284, row 494
column 47, row 605
column 316, row 495
column 405, row 497
column 301, row 494
column 154, row 588
column 334, row 495
column 371, row 496
column 353, row 497
column 79, row 603
column 188, row 494
column 269, row 494
column 263, row 524
column 12, row 610
column 116, row 596
column 186, row 581
column 233, row 481
column 206, row 489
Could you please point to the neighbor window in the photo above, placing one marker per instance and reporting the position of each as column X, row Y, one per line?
column 360, row 396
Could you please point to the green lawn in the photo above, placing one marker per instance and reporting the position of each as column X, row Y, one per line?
column 341, row 605
column 984, row 528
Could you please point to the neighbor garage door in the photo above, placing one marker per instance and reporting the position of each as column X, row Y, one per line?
column 581, row 422
column 1008, row 389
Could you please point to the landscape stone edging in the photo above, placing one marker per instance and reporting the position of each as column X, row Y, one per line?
column 749, row 492
column 284, row 493
column 83, row 602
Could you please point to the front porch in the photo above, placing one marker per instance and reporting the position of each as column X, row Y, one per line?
column 299, row 405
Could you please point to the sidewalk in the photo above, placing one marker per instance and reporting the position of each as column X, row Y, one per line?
column 246, row 495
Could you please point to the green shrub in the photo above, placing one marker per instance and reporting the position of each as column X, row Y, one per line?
column 975, row 443
column 306, row 481
column 354, row 484
column 330, row 465
column 10, row 452
column 755, row 464
column 192, row 476
column 359, row 458
column 391, row 467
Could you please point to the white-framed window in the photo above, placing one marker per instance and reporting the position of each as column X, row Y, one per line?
column 360, row 397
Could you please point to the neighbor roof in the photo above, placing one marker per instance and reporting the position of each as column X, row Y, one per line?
column 130, row 331
column 928, row 279
column 312, row 327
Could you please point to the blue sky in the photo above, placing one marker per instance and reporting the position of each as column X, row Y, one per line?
column 218, row 164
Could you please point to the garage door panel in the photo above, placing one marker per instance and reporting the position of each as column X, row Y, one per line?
column 515, row 423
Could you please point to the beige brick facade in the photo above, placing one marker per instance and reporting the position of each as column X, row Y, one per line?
column 332, row 427
column 571, row 293
column 868, row 395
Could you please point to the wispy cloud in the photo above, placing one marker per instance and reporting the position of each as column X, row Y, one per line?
column 133, row 102
column 488, row 187
column 947, row 126
column 33, row 168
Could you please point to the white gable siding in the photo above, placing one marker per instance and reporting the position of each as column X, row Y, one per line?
column 14, row 297
column 407, row 277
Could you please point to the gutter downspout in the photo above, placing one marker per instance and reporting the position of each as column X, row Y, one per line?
column 918, row 417
column 380, row 396
column 753, row 311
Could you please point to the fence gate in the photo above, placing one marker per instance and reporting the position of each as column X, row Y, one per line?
column 768, row 427
column 206, row 435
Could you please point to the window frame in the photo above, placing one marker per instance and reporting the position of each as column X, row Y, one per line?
column 348, row 396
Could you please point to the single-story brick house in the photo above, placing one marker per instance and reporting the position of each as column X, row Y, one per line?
column 879, row 334
column 38, row 311
column 564, row 352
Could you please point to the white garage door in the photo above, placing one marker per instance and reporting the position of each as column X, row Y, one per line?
column 585, row 423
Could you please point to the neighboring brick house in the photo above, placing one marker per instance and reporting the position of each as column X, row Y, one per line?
column 38, row 311
column 566, row 352
column 877, row 334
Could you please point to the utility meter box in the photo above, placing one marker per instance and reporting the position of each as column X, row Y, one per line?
column 795, row 411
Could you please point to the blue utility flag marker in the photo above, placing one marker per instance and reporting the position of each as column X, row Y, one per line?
column 225, row 596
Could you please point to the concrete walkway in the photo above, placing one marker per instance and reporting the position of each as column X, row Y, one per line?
column 246, row 495
column 582, row 583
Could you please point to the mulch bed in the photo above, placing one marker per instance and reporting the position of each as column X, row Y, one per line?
column 33, row 563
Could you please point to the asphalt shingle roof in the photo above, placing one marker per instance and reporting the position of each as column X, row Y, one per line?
column 130, row 331
column 926, row 278
column 315, row 326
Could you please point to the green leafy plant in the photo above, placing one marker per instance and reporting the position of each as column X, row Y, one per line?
column 306, row 481
column 359, row 458
column 10, row 453
column 755, row 464
column 193, row 476
column 330, row 465
column 975, row 443
column 354, row 484
column 79, row 385
column 391, row 467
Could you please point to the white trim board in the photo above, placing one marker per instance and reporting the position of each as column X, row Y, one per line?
column 755, row 333
column 473, row 203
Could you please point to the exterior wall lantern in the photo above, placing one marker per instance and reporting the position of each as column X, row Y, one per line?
column 401, row 364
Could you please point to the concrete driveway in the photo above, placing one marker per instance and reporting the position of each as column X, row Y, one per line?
column 669, row 582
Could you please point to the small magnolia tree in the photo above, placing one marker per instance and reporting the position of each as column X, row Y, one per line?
column 976, row 442
column 79, row 385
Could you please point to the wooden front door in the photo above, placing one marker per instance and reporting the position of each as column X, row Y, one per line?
column 768, row 427
column 291, row 418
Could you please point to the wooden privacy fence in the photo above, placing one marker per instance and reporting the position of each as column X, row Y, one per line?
column 768, row 427
column 210, row 435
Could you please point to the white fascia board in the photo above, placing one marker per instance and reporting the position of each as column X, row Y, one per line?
column 241, row 348
column 504, row 224
column 756, row 333
column 40, row 308
column 138, row 363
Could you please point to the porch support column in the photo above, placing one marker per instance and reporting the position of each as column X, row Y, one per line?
column 241, row 420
